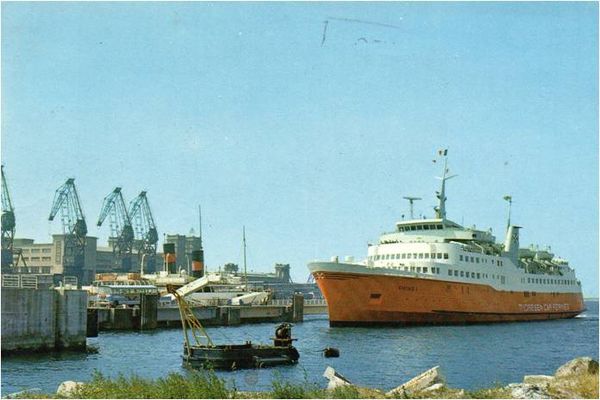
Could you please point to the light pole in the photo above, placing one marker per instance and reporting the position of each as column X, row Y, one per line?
column 142, row 264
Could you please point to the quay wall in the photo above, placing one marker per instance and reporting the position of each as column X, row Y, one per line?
column 43, row 319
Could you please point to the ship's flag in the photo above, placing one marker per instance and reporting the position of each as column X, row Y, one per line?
column 443, row 152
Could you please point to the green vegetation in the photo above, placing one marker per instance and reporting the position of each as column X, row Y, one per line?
column 195, row 385
column 207, row 385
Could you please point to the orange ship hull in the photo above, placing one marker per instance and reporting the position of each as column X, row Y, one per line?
column 360, row 299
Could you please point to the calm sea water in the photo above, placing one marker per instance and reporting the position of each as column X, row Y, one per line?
column 470, row 356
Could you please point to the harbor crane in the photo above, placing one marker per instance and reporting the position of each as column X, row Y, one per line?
column 146, row 235
column 8, row 224
column 122, row 235
column 66, row 200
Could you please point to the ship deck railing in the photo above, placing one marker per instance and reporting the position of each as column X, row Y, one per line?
column 307, row 302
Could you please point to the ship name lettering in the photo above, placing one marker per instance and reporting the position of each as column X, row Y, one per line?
column 547, row 307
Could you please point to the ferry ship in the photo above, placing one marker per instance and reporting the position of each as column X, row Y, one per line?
column 435, row 271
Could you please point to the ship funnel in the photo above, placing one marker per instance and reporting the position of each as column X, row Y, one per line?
column 170, row 258
column 511, row 243
column 198, row 263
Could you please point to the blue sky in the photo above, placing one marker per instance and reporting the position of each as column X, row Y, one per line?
column 242, row 107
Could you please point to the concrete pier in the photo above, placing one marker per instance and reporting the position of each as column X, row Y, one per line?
column 43, row 319
column 149, row 316
column 148, row 311
column 298, row 308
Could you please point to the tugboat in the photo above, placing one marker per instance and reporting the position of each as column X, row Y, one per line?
column 203, row 353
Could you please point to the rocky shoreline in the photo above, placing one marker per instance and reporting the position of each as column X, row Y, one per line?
column 576, row 379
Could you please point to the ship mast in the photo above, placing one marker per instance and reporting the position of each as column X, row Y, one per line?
column 440, row 210
column 509, row 199
column 200, row 224
column 245, row 272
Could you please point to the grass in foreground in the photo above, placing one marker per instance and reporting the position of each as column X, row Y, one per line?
column 207, row 385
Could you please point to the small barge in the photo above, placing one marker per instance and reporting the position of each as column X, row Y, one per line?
column 201, row 352
column 247, row 355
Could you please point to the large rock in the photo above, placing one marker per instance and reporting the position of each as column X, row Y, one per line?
column 528, row 391
column 68, row 388
column 578, row 366
column 420, row 382
column 538, row 379
column 433, row 388
column 335, row 379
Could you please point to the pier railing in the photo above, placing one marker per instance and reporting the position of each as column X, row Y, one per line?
column 35, row 281
column 20, row 281
column 287, row 302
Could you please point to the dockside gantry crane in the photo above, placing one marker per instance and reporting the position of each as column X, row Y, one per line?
column 8, row 225
column 121, row 228
column 146, row 235
column 66, row 200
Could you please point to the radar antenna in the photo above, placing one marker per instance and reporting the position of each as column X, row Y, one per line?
column 411, row 200
column 440, row 210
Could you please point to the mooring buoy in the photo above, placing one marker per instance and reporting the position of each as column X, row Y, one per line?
column 330, row 352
